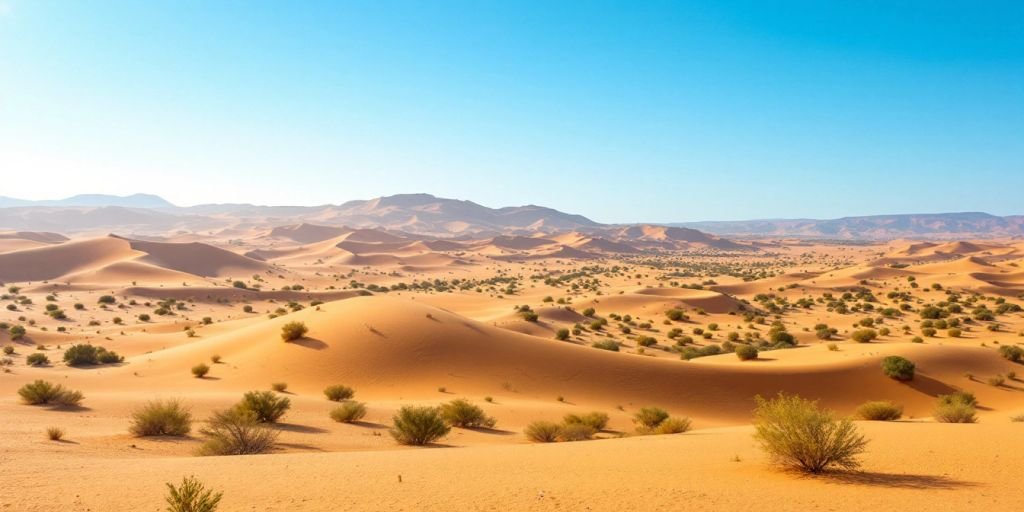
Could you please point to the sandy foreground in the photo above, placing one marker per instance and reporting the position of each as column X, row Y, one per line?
column 463, row 337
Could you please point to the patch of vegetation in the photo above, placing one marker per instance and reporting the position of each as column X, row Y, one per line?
column 418, row 425
column 881, row 410
column 161, row 418
column 192, row 496
column 796, row 433
column 42, row 392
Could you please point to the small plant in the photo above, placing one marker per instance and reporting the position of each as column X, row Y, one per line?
column 1012, row 353
column 192, row 496
column 42, row 392
column 161, row 418
column 338, row 392
column 280, row 387
column 576, row 432
column 957, row 407
column 37, row 359
column 200, row 370
column 348, row 412
column 648, row 418
column 543, row 431
column 562, row 334
column 879, row 411
column 597, row 420
column 265, row 405
column 673, row 426
column 215, row 359
column 746, row 352
column 86, row 354
column 292, row 331
column 611, row 345
column 796, row 433
column 54, row 433
column 236, row 431
column 996, row 380
column 463, row 414
column 898, row 368
column 418, row 425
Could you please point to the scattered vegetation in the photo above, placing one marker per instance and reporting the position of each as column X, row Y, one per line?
column 42, row 392
column 192, row 496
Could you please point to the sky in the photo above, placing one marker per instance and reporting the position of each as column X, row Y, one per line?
column 627, row 111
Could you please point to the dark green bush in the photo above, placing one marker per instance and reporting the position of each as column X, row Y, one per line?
column 463, row 414
column 418, row 425
column 898, row 368
column 348, row 412
column 339, row 392
column 265, row 405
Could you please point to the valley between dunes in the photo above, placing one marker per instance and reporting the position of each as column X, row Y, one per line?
column 510, row 323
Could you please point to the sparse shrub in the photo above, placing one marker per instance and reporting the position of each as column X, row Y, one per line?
column 292, row 331
column 673, row 425
column 338, row 392
column 42, row 392
column 463, row 414
column 996, row 380
column 16, row 332
column 648, row 418
column 958, row 407
column 543, row 431
column 611, row 345
column 898, row 368
column 348, row 412
column 418, row 425
column 954, row 333
column 8, row 350
column 596, row 419
column 562, row 334
column 280, row 387
column 265, row 405
column 215, row 359
column 864, row 335
column 192, row 496
column 832, row 347
column 87, row 354
column 54, row 433
column 37, row 359
column 161, row 418
column 1012, row 353
column 796, row 433
column 236, row 431
column 746, row 352
column 576, row 432
column 200, row 370
column 879, row 411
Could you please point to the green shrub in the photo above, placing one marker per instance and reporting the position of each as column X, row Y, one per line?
column 562, row 334
column 265, row 405
column 87, row 354
column 348, row 412
column 37, row 359
column 192, row 496
column 292, row 331
column 596, row 419
column 543, row 431
column 746, row 352
column 576, row 432
column 236, row 431
column 42, row 392
column 200, row 370
column 418, row 425
column 16, row 332
column 879, row 411
column 898, row 368
column 161, row 418
column 463, row 414
column 338, row 392
column 648, row 418
column 864, row 335
column 796, row 433
column 606, row 345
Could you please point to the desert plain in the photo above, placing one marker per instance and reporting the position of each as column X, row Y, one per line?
column 528, row 327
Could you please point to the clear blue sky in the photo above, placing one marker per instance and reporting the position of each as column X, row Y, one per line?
column 621, row 111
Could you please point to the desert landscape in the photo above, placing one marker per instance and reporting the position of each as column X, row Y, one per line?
column 551, row 256
column 645, row 344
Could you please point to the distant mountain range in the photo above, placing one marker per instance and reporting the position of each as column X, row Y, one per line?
column 425, row 214
column 873, row 227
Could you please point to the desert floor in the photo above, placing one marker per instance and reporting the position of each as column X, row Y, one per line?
column 409, row 321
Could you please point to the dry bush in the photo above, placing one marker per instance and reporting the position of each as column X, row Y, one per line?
column 236, row 432
column 881, row 410
column 42, row 392
column 55, row 433
column 292, row 331
column 576, row 432
column 796, row 433
column 200, row 370
column 957, row 407
column 543, row 431
column 339, row 392
column 746, row 352
column 192, row 496
column 265, row 405
column 280, row 387
column 648, row 418
column 596, row 420
column 348, row 412
column 161, row 418
column 418, row 425
column 463, row 414
column 673, row 426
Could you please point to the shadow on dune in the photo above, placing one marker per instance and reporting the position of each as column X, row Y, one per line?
column 901, row 481
column 312, row 343
column 930, row 386
column 491, row 430
column 303, row 429
column 368, row 424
